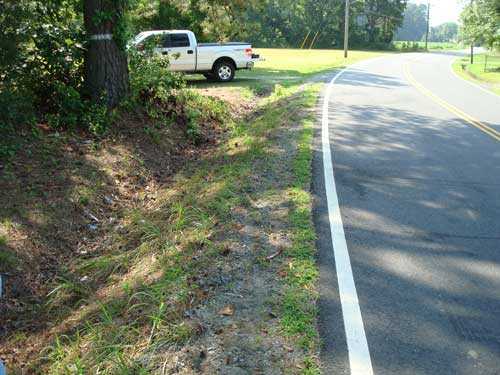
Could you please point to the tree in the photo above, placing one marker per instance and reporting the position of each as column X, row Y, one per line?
column 446, row 32
column 414, row 23
column 285, row 23
column 481, row 23
column 383, row 18
column 106, row 66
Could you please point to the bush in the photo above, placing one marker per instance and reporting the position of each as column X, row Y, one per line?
column 56, row 54
column 197, row 110
column 97, row 118
column 67, row 110
column 17, row 106
column 150, row 79
column 65, row 107
column 18, row 111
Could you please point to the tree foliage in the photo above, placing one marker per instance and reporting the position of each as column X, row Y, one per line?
column 42, row 50
column 481, row 23
column 286, row 23
column 208, row 19
column 446, row 32
column 50, row 66
column 414, row 24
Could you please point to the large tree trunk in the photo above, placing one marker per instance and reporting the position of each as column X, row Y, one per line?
column 106, row 67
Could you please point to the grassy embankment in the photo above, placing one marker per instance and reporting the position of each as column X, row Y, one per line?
column 489, row 77
column 210, row 267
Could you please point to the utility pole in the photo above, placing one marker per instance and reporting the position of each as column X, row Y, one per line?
column 346, row 29
column 472, row 43
column 428, row 24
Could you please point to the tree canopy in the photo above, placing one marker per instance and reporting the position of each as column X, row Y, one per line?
column 286, row 23
column 54, row 60
column 414, row 24
column 481, row 23
column 446, row 32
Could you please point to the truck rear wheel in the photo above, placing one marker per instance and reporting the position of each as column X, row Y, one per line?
column 224, row 71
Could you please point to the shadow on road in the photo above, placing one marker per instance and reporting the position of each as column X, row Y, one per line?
column 420, row 199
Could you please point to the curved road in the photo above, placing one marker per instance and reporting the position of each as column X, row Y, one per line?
column 416, row 163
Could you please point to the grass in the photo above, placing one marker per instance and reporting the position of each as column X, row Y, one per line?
column 420, row 46
column 118, row 311
column 298, row 305
column 477, row 72
column 7, row 257
column 286, row 67
column 304, row 63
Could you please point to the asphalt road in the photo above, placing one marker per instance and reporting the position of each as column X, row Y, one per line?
column 419, row 193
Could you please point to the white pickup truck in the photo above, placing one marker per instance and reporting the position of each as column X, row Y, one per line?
column 214, row 60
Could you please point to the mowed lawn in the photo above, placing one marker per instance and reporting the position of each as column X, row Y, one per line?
column 287, row 67
column 306, row 62
column 485, row 74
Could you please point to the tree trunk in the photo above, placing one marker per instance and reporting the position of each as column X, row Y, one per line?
column 106, row 66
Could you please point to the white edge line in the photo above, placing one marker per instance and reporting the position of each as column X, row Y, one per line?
column 469, row 82
column 357, row 345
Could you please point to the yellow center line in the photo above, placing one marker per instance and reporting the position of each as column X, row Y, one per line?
column 464, row 116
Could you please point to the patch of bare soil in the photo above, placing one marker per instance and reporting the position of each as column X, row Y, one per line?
column 240, row 318
column 240, row 106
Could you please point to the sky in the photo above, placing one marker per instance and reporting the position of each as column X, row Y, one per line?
column 443, row 10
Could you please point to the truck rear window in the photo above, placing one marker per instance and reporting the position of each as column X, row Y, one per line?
column 177, row 40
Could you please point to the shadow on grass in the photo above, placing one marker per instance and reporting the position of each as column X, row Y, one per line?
column 260, row 80
column 112, row 244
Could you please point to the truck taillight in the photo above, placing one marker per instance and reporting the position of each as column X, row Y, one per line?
column 248, row 52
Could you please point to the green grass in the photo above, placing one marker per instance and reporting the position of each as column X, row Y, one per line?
column 7, row 258
column 489, row 78
column 3, row 241
column 303, row 63
column 431, row 46
column 175, row 245
column 286, row 67
column 124, row 306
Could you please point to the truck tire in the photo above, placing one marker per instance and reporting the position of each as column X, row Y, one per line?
column 224, row 71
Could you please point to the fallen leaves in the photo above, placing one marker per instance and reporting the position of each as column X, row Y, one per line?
column 227, row 310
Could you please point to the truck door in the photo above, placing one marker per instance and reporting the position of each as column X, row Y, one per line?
column 182, row 55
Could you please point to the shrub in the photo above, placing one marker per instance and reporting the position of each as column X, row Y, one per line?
column 197, row 110
column 17, row 105
column 18, row 111
column 150, row 79
column 97, row 118
column 65, row 107
column 67, row 110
